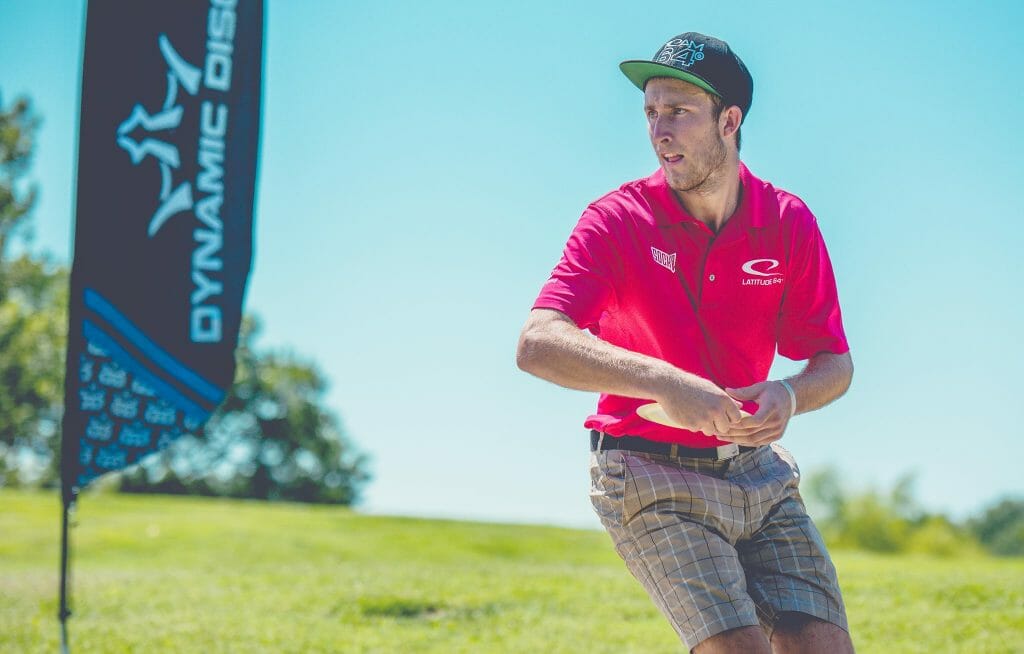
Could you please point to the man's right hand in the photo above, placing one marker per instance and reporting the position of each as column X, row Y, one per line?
column 698, row 404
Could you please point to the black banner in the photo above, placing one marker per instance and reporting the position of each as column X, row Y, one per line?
column 168, row 148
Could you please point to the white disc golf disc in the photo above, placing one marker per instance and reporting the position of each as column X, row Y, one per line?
column 656, row 413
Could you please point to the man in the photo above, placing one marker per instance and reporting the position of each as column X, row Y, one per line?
column 690, row 279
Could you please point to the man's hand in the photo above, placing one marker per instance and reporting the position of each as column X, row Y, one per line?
column 553, row 347
column 698, row 404
column 771, row 419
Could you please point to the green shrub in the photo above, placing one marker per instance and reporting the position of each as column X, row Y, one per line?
column 1001, row 527
column 937, row 536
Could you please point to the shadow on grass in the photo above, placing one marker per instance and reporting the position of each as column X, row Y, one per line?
column 404, row 608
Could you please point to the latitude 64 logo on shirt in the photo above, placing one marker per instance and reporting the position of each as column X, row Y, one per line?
column 761, row 269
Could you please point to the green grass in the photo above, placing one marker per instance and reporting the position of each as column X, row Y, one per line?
column 160, row 574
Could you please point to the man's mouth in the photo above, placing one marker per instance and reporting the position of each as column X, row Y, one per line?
column 672, row 158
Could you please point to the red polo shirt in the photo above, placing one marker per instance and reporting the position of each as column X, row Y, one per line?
column 641, row 273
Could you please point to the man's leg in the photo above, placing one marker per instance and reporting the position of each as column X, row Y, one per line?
column 799, row 633
column 748, row 640
column 794, row 633
column 670, row 525
column 790, row 575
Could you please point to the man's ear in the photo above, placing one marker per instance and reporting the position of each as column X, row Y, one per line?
column 729, row 121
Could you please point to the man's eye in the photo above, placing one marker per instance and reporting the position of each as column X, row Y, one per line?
column 679, row 111
column 651, row 114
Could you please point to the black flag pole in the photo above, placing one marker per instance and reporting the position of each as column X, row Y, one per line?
column 65, row 611
column 69, row 453
column 69, row 497
column 69, row 450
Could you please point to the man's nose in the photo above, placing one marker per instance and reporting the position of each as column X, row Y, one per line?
column 659, row 130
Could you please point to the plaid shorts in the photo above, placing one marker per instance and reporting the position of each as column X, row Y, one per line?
column 716, row 544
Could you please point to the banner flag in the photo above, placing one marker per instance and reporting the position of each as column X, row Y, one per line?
column 167, row 159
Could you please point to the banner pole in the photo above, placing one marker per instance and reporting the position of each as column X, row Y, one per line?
column 65, row 611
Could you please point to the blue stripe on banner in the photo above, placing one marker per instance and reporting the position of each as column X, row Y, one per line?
column 97, row 303
column 128, row 362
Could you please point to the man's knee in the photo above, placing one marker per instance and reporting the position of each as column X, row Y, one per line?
column 801, row 632
column 750, row 640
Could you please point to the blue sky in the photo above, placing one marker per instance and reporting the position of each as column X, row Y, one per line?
column 423, row 163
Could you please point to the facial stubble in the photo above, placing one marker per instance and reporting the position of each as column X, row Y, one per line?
column 706, row 168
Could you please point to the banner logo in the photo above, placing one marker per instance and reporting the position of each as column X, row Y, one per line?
column 206, row 298
column 180, row 73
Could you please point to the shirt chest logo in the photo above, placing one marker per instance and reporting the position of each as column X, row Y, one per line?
column 664, row 259
column 761, row 269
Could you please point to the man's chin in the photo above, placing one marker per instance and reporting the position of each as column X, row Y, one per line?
column 678, row 181
column 672, row 173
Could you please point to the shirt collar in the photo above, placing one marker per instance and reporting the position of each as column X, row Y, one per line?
column 668, row 210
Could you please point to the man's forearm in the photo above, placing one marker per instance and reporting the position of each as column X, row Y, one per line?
column 559, row 352
column 825, row 378
column 552, row 347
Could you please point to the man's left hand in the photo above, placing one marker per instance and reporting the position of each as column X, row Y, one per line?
column 771, row 419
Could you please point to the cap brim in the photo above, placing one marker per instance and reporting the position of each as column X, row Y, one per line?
column 639, row 71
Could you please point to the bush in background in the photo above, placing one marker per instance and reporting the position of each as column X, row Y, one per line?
column 889, row 521
column 1001, row 527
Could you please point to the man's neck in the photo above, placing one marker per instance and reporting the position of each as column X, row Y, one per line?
column 717, row 199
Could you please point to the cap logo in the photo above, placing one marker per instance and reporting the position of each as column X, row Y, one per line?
column 680, row 52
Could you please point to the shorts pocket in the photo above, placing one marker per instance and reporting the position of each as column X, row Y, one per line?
column 784, row 457
column 607, row 485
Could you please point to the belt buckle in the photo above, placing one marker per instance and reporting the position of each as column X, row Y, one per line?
column 727, row 451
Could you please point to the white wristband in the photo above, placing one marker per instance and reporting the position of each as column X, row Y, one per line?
column 792, row 397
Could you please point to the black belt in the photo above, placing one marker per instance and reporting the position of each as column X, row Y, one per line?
column 639, row 444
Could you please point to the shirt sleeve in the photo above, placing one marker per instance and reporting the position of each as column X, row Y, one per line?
column 810, row 321
column 581, row 285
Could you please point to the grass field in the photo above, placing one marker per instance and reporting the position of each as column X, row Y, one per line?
column 160, row 574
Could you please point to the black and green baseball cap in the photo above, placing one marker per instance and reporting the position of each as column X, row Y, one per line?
column 701, row 60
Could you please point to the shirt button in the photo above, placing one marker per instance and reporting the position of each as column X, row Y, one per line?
column 711, row 277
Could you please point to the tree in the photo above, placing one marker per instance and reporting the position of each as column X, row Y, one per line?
column 1001, row 527
column 33, row 330
column 33, row 320
column 270, row 439
column 18, row 127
